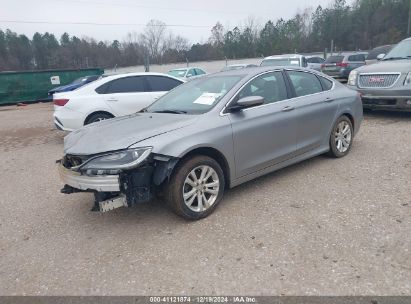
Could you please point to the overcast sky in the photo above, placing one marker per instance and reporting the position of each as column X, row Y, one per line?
column 196, row 16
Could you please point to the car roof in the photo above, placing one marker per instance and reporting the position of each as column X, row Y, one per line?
column 122, row 75
column 182, row 69
column 252, row 71
column 284, row 56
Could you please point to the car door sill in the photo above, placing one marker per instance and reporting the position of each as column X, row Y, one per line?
column 278, row 166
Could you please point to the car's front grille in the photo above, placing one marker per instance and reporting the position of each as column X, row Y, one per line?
column 70, row 161
column 370, row 81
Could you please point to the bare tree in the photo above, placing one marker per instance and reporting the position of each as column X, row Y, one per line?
column 153, row 38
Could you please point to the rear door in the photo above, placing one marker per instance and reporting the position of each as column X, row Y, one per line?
column 315, row 109
column 127, row 95
column 264, row 135
column 159, row 85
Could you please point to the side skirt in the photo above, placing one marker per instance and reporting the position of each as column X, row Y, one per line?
column 278, row 166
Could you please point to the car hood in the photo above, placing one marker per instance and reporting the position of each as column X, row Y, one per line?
column 122, row 132
column 395, row 66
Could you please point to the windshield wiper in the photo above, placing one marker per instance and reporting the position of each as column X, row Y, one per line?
column 143, row 110
column 171, row 111
column 395, row 58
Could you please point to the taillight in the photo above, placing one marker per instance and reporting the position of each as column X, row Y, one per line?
column 342, row 64
column 60, row 102
column 323, row 66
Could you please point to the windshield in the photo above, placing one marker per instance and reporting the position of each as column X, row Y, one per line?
column 334, row 59
column 195, row 97
column 401, row 51
column 377, row 51
column 177, row 73
column 281, row 62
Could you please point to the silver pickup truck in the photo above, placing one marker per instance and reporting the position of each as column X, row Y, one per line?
column 386, row 84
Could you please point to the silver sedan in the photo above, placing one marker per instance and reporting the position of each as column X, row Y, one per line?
column 210, row 134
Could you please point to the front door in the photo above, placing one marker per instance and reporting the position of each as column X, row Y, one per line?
column 264, row 135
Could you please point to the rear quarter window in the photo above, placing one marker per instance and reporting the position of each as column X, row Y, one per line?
column 334, row 59
column 161, row 83
column 327, row 84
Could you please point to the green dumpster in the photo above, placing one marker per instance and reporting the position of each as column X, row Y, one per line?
column 31, row 86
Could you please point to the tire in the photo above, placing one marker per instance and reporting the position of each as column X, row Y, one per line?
column 183, row 181
column 96, row 117
column 341, row 137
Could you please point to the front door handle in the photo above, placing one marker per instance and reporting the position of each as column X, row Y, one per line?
column 329, row 99
column 288, row 109
column 112, row 99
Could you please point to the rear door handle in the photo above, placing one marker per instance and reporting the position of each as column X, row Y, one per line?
column 112, row 99
column 329, row 99
column 288, row 109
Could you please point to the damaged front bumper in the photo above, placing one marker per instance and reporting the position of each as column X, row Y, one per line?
column 127, row 188
column 100, row 183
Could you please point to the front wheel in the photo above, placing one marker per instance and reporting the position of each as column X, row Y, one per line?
column 196, row 188
column 341, row 137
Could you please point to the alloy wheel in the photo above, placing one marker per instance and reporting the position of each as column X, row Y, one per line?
column 201, row 188
column 343, row 136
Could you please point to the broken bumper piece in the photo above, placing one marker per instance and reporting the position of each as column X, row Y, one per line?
column 103, row 183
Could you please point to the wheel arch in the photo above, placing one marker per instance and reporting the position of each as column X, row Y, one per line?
column 214, row 154
column 350, row 117
column 97, row 112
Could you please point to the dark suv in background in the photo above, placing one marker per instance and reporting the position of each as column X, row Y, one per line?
column 340, row 66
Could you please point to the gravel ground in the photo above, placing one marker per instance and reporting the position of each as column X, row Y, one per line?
column 321, row 227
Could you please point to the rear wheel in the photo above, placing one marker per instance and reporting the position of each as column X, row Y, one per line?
column 96, row 117
column 196, row 188
column 341, row 137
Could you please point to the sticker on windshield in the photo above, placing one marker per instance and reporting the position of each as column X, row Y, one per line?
column 207, row 98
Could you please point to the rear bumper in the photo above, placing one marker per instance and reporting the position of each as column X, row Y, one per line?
column 103, row 183
column 67, row 119
column 340, row 74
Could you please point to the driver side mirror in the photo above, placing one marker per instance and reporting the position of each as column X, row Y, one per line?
column 380, row 56
column 189, row 75
column 247, row 102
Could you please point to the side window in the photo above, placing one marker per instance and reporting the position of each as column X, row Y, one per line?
column 125, row 85
column 357, row 58
column 161, row 83
column 304, row 83
column 191, row 72
column 327, row 84
column 199, row 72
column 271, row 86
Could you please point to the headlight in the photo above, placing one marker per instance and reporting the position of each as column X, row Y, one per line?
column 126, row 159
column 352, row 79
column 407, row 80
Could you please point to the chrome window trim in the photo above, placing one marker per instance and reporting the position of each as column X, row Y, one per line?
column 381, row 73
column 288, row 99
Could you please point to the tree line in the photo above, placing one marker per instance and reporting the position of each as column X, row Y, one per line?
column 361, row 25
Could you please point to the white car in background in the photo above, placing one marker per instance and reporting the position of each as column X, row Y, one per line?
column 109, row 97
column 315, row 62
column 187, row 73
